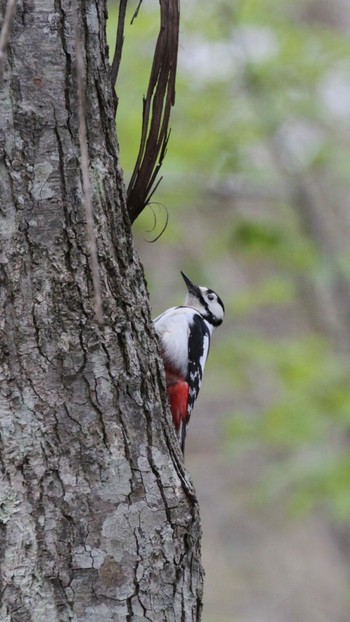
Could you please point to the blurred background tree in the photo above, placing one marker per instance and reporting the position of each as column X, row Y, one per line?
column 256, row 184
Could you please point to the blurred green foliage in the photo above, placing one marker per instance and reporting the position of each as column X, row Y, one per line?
column 255, row 107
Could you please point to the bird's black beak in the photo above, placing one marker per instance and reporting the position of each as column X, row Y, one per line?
column 191, row 287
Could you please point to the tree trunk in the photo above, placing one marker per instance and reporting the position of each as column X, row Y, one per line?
column 98, row 519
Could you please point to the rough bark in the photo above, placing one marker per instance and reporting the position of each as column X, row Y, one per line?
column 98, row 521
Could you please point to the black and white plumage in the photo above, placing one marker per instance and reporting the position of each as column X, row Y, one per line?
column 185, row 333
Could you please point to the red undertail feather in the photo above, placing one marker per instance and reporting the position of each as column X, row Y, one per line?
column 178, row 398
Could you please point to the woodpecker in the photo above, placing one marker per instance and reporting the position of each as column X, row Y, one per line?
column 184, row 333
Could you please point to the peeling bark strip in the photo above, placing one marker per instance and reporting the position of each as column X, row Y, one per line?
column 98, row 522
column 156, row 111
column 119, row 42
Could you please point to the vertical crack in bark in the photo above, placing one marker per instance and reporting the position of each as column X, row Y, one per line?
column 87, row 190
column 37, row 335
column 6, row 31
column 62, row 29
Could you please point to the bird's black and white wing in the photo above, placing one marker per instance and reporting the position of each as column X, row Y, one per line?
column 198, row 349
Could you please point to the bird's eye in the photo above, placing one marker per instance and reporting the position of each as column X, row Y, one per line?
column 211, row 296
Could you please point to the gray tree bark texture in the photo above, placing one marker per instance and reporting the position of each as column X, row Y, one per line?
column 98, row 520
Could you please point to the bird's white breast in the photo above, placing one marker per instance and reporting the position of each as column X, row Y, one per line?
column 173, row 329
